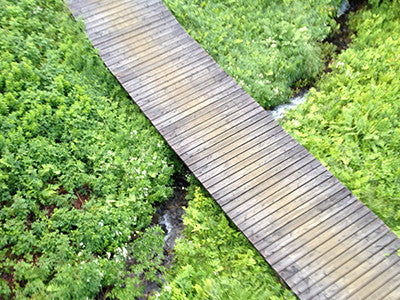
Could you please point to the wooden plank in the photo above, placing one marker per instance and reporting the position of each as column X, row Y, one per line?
column 128, row 31
column 181, row 92
column 309, row 234
column 169, row 86
column 245, row 157
column 100, row 8
column 367, row 289
column 275, row 170
column 214, row 86
column 181, row 112
column 356, row 219
column 227, row 102
column 212, row 150
column 295, row 199
column 247, row 171
column 98, row 34
column 204, row 125
column 121, row 51
column 336, row 280
column 223, row 91
column 143, row 57
column 175, row 86
column 129, row 35
column 171, row 82
column 389, row 290
column 225, row 142
column 153, row 69
column 194, row 143
column 313, row 272
column 117, row 14
column 379, row 270
column 269, row 205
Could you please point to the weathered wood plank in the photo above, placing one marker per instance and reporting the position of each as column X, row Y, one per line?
column 215, row 148
column 338, row 256
column 294, row 200
column 129, row 59
column 334, row 282
column 209, row 122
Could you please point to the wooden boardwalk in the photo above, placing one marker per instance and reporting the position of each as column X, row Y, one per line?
column 320, row 239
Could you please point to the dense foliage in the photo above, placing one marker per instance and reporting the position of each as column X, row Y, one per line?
column 80, row 166
column 352, row 122
column 267, row 46
column 216, row 261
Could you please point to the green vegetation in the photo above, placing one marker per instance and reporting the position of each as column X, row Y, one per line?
column 215, row 260
column 267, row 46
column 352, row 122
column 80, row 166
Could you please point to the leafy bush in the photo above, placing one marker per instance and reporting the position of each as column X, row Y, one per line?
column 267, row 46
column 80, row 165
column 216, row 261
column 351, row 122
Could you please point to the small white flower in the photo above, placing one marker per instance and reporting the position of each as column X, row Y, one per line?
column 124, row 252
column 303, row 29
column 339, row 64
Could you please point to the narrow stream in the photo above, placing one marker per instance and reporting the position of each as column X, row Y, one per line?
column 169, row 216
column 341, row 39
column 279, row 111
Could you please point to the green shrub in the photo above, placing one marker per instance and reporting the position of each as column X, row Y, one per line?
column 267, row 46
column 80, row 165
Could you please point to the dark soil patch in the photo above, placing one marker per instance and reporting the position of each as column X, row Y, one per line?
column 82, row 196
column 342, row 38
column 10, row 281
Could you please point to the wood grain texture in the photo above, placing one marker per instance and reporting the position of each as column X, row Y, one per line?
column 320, row 239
